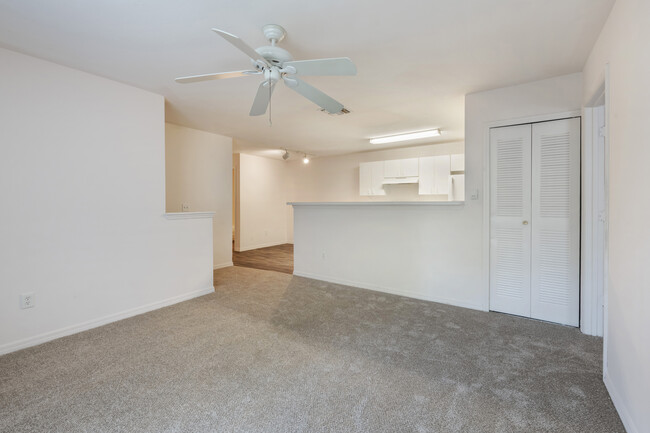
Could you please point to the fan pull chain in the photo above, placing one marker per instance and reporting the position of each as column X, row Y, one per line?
column 270, row 93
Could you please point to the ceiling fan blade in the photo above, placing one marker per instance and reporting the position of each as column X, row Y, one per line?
column 315, row 95
column 262, row 98
column 216, row 76
column 335, row 66
column 243, row 46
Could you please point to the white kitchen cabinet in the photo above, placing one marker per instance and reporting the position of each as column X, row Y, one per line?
column 409, row 167
column 401, row 168
column 371, row 177
column 434, row 174
column 457, row 187
column 426, row 184
column 392, row 168
column 441, row 174
column 458, row 162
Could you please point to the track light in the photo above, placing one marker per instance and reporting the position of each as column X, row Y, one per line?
column 285, row 155
column 305, row 160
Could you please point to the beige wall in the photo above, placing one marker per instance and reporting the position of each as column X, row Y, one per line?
column 262, row 202
column 198, row 169
column 624, row 44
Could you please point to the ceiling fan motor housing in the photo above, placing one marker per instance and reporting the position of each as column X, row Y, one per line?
column 275, row 55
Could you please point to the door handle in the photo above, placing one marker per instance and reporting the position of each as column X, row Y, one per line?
column 525, row 223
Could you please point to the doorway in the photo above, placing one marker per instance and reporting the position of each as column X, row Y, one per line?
column 535, row 220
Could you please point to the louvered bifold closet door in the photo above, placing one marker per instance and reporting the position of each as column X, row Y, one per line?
column 510, row 212
column 556, row 221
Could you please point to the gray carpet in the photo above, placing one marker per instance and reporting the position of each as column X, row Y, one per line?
column 269, row 352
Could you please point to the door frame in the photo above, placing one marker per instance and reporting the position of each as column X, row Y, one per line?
column 487, row 187
column 592, row 275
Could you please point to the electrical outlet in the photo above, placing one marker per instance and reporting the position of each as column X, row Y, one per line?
column 474, row 195
column 27, row 300
column 186, row 207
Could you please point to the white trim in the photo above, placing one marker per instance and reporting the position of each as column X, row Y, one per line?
column 606, row 253
column 223, row 265
column 486, row 184
column 254, row 247
column 592, row 272
column 84, row 326
column 379, row 203
column 623, row 413
column 389, row 290
column 188, row 215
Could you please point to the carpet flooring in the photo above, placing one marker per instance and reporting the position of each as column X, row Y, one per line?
column 269, row 352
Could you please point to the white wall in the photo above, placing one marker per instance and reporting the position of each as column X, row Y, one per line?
column 624, row 44
column 336, row 178
column 82, row 184
column 432, row 252
column 262, row 202
column 198, row 167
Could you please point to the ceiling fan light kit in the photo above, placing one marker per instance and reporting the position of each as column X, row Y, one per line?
column 275, row 64
column 406, row 137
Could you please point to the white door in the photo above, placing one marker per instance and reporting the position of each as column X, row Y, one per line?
column 535, row 220
column 555, row 257
column 510, row 212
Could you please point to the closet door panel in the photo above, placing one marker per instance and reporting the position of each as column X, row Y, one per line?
column 510, row 212
column 556, row 221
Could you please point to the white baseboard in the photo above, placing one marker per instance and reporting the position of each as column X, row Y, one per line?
column 390, row 290
column 628, row 423
column 69, row 330
column 223, row 265
column 254, row 247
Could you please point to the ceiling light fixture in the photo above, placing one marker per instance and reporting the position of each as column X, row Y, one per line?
column 305, row 160
column 406, row 137
column 285, row 155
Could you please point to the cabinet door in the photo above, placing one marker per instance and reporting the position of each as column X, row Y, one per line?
column 426, row 180
column 441, row 173
column 392, row 168
column 457, row 187
column 458, row 162
column 409, row 167
column 377, row 178
column 365, row 179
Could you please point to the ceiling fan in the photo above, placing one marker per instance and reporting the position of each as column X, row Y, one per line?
column 276, row 64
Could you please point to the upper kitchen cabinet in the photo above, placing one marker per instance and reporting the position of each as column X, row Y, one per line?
column 401, row 168
column 371, row 178
column 434, row 175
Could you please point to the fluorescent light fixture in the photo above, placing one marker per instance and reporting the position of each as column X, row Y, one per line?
column 405, row 137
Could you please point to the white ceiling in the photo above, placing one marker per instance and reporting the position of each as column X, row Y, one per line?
column 416, row 59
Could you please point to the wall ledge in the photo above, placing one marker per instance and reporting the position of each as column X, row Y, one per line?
column 187, row 215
